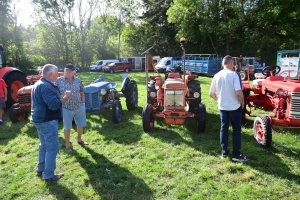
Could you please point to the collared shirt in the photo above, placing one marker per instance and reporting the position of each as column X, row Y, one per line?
column 76, row 87
column 225, row 84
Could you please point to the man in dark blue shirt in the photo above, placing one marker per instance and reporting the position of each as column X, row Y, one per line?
column 45, row 112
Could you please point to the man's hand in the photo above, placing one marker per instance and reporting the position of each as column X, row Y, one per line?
column 68, row 94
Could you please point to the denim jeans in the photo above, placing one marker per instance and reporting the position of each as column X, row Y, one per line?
column 234, row 117
column 48, row 148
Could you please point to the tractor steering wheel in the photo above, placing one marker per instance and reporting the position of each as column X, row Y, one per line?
column 267, row 70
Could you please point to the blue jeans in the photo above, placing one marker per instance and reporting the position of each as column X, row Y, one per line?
column 48, row 148
column 234, row 116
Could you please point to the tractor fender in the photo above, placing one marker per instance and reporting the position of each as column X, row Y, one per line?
column 124, row 83
column 5, row 71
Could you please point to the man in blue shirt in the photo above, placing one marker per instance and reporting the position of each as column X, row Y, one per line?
column 45, row 112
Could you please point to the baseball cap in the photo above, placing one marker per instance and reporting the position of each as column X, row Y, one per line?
column 70, row 66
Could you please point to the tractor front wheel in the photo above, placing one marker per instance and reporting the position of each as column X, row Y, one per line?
column 201, row 120
column 262, row 131
column 16, row 116
column 117, row 113
column 148, row 118
column 131, row 95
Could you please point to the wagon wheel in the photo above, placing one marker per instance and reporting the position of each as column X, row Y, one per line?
column 262, row 131
column 126, row 70
column 131, row 95
column 148, row 118
column 117, row 111
column 194, row 86
column 267, row 70
column 16, row 116
column 201, row 120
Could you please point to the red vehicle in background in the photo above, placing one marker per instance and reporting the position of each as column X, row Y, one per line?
column 117, row 67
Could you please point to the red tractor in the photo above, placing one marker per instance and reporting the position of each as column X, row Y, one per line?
column 14, row 79
column 175, row 100
column 275, row 93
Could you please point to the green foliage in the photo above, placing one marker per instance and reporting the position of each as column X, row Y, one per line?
column 172, row 162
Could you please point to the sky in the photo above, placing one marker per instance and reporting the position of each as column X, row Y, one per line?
column 24, row 9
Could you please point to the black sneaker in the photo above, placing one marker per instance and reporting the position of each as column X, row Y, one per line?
column 240, row 158
column 39, row 173
column 56, row 177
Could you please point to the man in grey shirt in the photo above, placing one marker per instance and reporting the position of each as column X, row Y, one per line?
column 74, row 108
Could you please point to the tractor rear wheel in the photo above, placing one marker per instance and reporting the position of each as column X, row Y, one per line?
column 117, row 112
column 262, row 131
column 14, row 81
column 201, row 120
column 131, row 95
column 151, row 88
column 148, row 118
column 194, row 86
column 16, row 117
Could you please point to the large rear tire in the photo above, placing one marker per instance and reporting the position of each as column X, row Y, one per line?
column 148, row 118
column 14, row 81
column 117, row 113
column 131, row 95
column 201, row 120
column 262, row 131
column 194, row 86
column 16, row 116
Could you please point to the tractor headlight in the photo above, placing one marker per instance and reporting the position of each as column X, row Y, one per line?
column 280, row 92
column 196, row 95
column 153, row 94
column 103, row 92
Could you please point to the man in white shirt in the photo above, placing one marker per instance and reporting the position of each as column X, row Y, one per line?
column 226, row 88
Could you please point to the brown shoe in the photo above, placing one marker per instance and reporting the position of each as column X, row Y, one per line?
column 56, row 177
column 39, row 173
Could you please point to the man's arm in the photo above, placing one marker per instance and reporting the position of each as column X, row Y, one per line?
column 213, row 95
column 82, row 97
column 240, row 96
column 5, row 94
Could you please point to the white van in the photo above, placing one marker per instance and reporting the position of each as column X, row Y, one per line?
column 99, row 64
column 167, row 62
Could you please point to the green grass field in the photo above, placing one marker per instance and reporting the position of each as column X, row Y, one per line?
column 172, row 162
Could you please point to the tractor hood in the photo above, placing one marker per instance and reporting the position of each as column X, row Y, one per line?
column 273, row 84
column 25, row 90
column 96, row 87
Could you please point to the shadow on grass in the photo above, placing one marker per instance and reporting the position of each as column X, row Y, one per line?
column 125, row 132
column 110, row 181
column 60, row 192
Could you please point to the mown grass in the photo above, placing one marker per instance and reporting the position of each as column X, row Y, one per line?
column 172, row 162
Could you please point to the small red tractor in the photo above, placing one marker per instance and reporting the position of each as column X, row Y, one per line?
column 31, row 79
column 275, row 92
column 14, row 79
column 175, row 100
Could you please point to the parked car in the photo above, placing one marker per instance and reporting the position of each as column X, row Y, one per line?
column 119, row 66
column 99, row 64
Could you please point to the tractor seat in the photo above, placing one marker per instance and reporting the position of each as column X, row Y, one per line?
column 259, row 76
column 258, row 82
column 173, row 75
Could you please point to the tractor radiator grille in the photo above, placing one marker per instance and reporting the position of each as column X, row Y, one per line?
column 295, row 105
column 92, row 101
column 24, row 98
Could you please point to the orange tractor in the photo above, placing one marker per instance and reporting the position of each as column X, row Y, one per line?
column 14, row 79
column 175, row 100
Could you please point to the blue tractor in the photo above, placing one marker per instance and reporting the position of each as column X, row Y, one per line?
column 101, row 95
